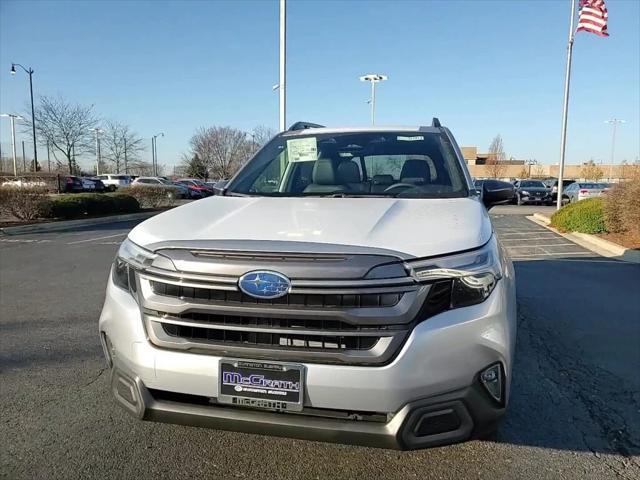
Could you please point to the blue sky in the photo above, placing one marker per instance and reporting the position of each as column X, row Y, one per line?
column 483, row 67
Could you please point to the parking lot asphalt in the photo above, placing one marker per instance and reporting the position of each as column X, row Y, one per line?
column 574, row 411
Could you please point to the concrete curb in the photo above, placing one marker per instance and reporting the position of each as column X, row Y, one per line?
column 591, row 242
column 71, row 224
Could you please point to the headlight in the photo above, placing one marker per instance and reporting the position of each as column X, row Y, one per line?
column 459, row 280
column 525, row 193
column 130, row 256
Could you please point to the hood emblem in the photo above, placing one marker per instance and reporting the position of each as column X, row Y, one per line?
column 264, row 284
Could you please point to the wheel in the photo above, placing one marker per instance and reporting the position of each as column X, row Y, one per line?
column 565, row 200
column 112, row 188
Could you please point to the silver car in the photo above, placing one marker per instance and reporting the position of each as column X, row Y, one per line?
column 354, row 293
column 582, row 190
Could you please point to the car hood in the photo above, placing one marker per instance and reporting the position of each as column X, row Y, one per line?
column 408, row 228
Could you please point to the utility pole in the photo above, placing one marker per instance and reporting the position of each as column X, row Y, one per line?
column 283, row 66
column 373, row 78
column 614, row 122
column 33, row 112
column 98, row 157
column 24, row 161
column 154, row 152
column 12, row 118
column 48, row 157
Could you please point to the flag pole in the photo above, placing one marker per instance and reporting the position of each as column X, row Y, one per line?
column 565, row 110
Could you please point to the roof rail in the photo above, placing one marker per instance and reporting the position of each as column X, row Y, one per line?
column 436, row 122
column 303, row 126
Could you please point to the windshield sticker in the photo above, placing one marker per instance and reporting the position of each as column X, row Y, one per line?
column 416, row 138
column 302, row 149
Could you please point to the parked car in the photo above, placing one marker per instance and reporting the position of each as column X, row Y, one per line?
column 92, row 185
column 71, row 184
column 532, row 191
column 553, row 185
column 197, row 188
column 494, row 185
column 115, row 181
column 582, row 190
column 179, row 191
column 364, row 300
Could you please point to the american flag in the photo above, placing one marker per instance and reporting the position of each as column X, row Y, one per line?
column 593, row 17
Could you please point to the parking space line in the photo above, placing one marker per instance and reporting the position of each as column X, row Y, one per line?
column 541, row 246
column 97, row 238
column 542, row 255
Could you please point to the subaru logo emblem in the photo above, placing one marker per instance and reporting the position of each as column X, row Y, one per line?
column 264, row 284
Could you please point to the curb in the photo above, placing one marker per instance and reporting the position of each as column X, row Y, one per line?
column 596, row 244
column 70, row 224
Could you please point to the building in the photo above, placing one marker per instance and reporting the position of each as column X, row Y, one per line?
column 472, row 157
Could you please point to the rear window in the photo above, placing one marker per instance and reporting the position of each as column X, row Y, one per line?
column 592, row 186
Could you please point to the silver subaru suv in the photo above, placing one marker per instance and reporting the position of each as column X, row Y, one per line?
column 346, row 286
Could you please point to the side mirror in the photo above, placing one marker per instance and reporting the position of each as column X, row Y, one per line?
column 220, row 187
column 496, row 192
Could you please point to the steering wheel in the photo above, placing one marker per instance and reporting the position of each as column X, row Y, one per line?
column 396, row 186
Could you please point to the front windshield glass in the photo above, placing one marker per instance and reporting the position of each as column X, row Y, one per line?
column 399, row 164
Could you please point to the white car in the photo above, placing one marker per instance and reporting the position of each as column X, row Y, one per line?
column 582, row 190
column 114, row 181
column 346, row 286
column 180, row 190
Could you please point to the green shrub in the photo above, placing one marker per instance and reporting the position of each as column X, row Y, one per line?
column 584, row 216
column 24, row 202
column 124, row 203
column 75, row 205
column 153, row 196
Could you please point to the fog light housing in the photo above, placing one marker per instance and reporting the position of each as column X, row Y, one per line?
column 492, row 379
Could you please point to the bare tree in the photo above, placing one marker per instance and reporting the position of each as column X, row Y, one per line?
column 66, row 126
column 222, row 149
column 495, row 161
column 142, row 168
column 260, row 136
column 590, row 171
column 119, row 143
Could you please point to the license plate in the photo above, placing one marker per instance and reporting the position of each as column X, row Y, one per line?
column 271, row 386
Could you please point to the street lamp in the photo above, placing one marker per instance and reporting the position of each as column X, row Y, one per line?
column 154, row 152
column 615, row 122
column 33, row 112
column 373, row 78
column 97, row 132
column 13, row 138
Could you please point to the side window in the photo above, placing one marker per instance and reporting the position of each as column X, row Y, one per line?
column 270, row 178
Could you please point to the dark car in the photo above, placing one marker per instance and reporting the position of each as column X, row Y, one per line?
column 553, row 185
column 491, row 185
column 71, row 184
column 532, row 191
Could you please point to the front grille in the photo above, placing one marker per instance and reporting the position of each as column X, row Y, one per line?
column 271, row 340
column 363, row 300
column 301, row 324
column 333, row 314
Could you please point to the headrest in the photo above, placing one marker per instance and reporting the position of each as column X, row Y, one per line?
column 414, row 169
column 348, row 172
column 324, row 172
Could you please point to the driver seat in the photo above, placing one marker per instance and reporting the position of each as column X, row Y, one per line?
column 324, row 178
column 415, row 172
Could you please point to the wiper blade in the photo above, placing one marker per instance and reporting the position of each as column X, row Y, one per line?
column 360, row 195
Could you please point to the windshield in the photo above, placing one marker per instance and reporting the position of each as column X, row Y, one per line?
column 398, row 164
column 593, row 186
column 532, row 184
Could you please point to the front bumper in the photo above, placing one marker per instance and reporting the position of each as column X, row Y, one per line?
column 438, row 420
column 435, row 371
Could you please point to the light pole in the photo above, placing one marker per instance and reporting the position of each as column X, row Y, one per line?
column 373, row 78
column 283, row 66
column 154, row 152
column 13, row 117
column 97, row 132
column 615, row 122
column 33, row 112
